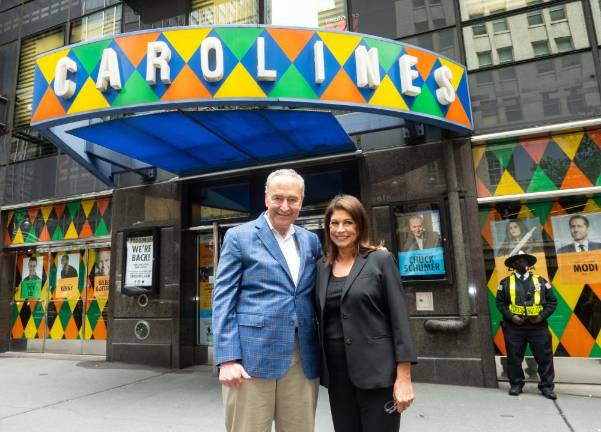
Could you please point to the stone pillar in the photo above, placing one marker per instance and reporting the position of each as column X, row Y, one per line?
column 145, row 207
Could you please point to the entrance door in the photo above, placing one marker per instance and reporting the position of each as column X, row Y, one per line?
column 60, row 300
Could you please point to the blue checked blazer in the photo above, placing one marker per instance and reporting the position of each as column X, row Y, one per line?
column 257, row 307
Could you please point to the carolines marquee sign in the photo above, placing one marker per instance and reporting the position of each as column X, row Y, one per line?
column 249, row 65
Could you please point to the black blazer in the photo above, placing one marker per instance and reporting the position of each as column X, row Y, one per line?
column 374, row 320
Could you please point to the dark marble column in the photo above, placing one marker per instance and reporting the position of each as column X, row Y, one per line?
column 141, row 207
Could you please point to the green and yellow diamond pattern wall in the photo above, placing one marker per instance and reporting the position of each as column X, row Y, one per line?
column 290, row 52
column 78, row 219
column 541, row 164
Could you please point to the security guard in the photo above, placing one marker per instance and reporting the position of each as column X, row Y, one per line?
column 526, row 300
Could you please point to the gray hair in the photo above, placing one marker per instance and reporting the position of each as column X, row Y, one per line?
column 285, row 173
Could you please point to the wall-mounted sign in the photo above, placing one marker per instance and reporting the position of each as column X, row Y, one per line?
column 140, row 261
column 253, row 65
column 138, row 265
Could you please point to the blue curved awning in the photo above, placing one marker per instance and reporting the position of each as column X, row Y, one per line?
column 196, row 142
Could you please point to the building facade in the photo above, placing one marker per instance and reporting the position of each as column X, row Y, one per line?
column 535, row 157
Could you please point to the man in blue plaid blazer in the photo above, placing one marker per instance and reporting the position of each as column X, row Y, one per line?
column 264, row 324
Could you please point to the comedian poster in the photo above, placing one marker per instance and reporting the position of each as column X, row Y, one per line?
column 102, row 271
column 511, row 236
column 420, row 247
column 67, row 277
column 577, row 240
column 31, row 285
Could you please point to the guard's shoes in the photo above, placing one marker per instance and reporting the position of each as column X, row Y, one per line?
column 515, row 390
column 549, row 394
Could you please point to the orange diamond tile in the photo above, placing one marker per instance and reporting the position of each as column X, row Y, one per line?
column 343, row 89
column 576, row 339
column 135, row 46
column 186, row 86
column 291, row 42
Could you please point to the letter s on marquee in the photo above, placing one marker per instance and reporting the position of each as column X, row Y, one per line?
column 446, row 93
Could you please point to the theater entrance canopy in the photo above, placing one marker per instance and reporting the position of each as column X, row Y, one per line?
column 203, row 99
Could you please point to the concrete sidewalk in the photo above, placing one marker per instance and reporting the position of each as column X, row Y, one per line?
column 73, row 394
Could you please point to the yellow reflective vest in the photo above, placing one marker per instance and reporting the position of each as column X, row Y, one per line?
column 533, row 310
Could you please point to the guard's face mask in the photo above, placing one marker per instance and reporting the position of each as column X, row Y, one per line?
column 521, row 268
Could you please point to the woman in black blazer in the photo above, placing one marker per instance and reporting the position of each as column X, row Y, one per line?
column 366, row 344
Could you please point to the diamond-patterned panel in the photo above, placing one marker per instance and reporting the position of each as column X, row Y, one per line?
column 576, row 323
column 61, row 221
column 555, row 162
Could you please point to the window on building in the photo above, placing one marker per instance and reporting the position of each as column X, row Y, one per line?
column 26, row 144
column 551, row 103
column 97, row 25
column 569, row 33
column 535, row 18
column 513, row 108
column 484, row 78
column 471, row 9
column 209, row 12
column 500, row 26
column 507, row 74
column 557, row 13
column 541, row 48
column 484, row 59
column 505, row 54
column 489, row 110
column 479, row 29
column 329, row 14
column 576, row 101
column 30, row 48
column 417, row 4
column 546, row 66
column 564, row 44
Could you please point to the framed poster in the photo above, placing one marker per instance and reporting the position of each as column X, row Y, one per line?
column 140, row 261
column 31, row 284
column 577, row 239
column 420, row 241
column 67, row 276
column 511, row 236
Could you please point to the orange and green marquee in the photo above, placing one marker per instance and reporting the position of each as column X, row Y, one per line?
column 249, row 65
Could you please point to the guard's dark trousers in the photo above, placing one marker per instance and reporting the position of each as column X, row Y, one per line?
column 539, row 338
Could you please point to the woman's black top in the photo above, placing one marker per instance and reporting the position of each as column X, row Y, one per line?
column 333, row 323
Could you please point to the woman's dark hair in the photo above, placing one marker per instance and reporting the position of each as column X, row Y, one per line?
column 520, row 224
column 355, row 209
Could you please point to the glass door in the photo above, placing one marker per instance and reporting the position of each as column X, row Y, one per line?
column 66, row 298
column 28, row 307
column 60, row 300
column 205, row 276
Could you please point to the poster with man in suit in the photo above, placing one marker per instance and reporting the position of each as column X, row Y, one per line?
column 421, row 252
column 577, row 240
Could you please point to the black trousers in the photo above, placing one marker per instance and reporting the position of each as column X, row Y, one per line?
column 354, row 409
column 539, row 338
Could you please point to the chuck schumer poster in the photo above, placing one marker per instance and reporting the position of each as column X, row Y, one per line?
column 421, row 252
